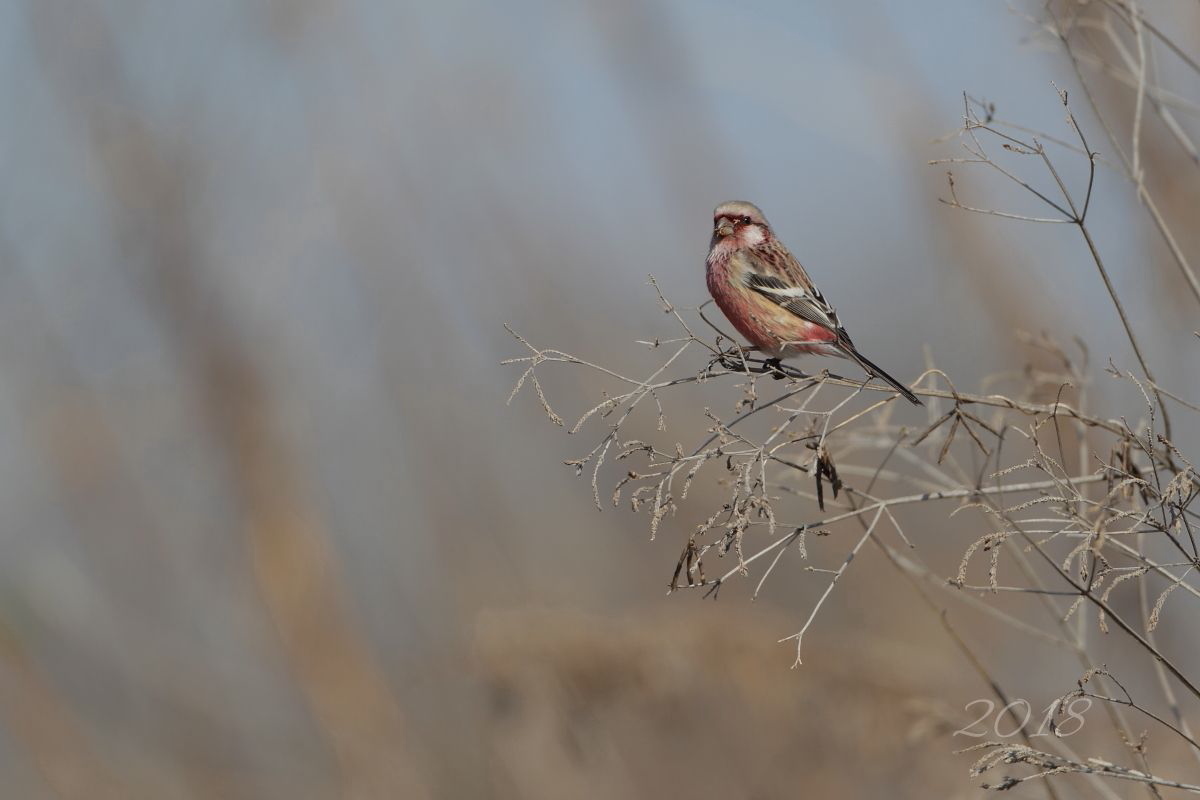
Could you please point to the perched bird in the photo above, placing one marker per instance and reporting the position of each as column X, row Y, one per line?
column 769, row 297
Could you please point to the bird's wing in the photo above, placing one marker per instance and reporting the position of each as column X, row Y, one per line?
column 773, row 273
column 776, row 275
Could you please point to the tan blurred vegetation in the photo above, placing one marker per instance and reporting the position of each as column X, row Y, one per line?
column 268, row 528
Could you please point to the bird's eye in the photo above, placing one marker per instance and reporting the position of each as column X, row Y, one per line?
column 746, row 220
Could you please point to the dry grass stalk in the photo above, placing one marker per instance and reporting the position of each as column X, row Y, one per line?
column 1072, row 507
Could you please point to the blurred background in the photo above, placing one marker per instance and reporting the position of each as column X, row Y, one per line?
column 267, row 528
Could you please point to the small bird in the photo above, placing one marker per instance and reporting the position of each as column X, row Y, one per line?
column 768, row 296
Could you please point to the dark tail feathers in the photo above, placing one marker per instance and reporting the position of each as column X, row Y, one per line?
column 871, row 369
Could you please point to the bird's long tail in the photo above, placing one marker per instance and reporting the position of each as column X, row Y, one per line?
column 872, row 369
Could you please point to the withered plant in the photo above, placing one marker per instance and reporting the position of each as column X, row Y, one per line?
column 1072, row 507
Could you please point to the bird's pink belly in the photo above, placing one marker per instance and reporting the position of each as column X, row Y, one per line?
column 770, row 328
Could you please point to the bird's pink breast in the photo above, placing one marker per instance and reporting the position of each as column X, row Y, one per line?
column 738, row 304
column 767, row 326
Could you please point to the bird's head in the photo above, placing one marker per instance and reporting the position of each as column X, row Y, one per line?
column 738, row 224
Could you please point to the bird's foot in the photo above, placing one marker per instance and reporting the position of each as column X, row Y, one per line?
column 775, row 367
column 735, row 357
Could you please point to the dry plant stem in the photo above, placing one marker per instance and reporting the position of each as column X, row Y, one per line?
column 1139, row 101
column 1181, row 724
column 799, row 636
column 1116, row 718
column 1119, row 5
column 1050, row 764
column 966, row 450
column 1141, row 81
column 1108, row 610
column 905, row 567
column 1071, row 212
column 914, row 569
column 1137, row 350
column 1181, row 261
column 1126, row 701
column 992, row 684
column 900, row 501
column 918, row 570
column 966, row 398
column 898, row 562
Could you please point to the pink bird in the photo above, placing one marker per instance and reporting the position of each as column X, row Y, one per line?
column 768, row 296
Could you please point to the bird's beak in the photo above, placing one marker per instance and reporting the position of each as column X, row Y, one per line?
column 725, row 228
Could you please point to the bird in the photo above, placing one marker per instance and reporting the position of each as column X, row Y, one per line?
column 761, row 287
